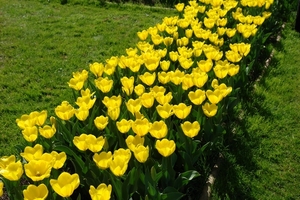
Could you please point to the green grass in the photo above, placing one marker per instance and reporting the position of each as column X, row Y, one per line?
column 42, row 43
column 262, row 160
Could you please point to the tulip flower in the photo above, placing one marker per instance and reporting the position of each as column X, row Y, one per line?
column 163, row 77
column 205, row 65
column 164, row 65
column 118, row 166
column 102, row 159
column 101, row 122
column 78, row 80
column 26, row 121
column 141, row 127
column 148, row 78
column 47, row 131
column 182, row 110
column 81, row 113
column 139, row 89
column 214, row 96
column 124, row 125
column 10, row 169
column 179, row 7
column 133, row 106
column 80, row 142
column 60, row 159
column 163, row 99
column 65, row 185
column 127, row 85
column 210, row 110
column 164, row 111
column 197, row 97
column 33, row 192
column 102, row 192
column 190, row 129
column 147, row 99
column 104, row 84
column 133, row 141
column 97, row 69
column 141, row 153
column 38, row 170
column 1, row 188
column 30, row 134
column 165, row 147
column 143, row 35
column 114, row 101
column 33, row 153
column 158, row 129
column 64, row 111
column 95, row 144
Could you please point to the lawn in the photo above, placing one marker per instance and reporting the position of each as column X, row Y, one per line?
column 262, row 160
column 43, row 43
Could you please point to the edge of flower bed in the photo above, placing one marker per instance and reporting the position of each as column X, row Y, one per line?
column 207, row 189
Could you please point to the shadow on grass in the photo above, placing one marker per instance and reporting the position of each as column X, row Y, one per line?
column 239, row 165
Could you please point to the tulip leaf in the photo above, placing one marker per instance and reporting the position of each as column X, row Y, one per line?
column 70, row 152
column 171, row 193
column 117, row 185
column 184, row 178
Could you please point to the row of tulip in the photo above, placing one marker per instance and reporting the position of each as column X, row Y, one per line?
column 142, row 121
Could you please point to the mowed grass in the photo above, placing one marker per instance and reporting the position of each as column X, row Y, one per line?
column 42, row 43
column 263, row 158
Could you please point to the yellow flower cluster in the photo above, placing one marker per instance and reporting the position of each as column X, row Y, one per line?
column 142, row 103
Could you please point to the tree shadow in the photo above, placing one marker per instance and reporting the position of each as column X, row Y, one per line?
column 239, row 165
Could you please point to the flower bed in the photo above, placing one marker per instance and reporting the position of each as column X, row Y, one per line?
column 141, row 122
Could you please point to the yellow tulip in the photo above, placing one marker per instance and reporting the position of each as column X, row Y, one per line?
column 133, row 141
column 78, row 80
column 32, row 153
column 104, row 84
column 127, row 85
column 142, row 34
column 189, row 33
column 173, row 55
column 205, row 65
column 85, row 102
column 230, row 32
column 209, row 22
column 26, row 121
column 158, row 129
column 139, row 89
column 95, row 144
column 102, row 192
column 65, row 185
column 1, row 188
column 176, row 77
column 141, row 127
column 12, row 170
column 39, row 117
column 233, row 56
column 221, row 71
column 162, row 99
column 113, row 112
column 131, row 51
column 124, row 125
column 151, row 60
column 60, row 159
column 165, row 147
column 190, row 129
column 65, row 111
column 165, row 110
column 187, row 82
column 168, row 41
column 118, row 166
column 214, row 96
column 161, row 27
column 156, row 39
column 114, row 101
column 30, row 134
column 164, row 65
column 148, row 78
column 80, row 142
column 6, row 160
column 163, row 77
column 197, row 97
column 221, row 31
column 133, row 106
column 101, row 122
column 156, row 90
column 182, row 110
column 144, row 46
column 185, row 63
column 222, row 22
column 141, row 153
column 147, row 99
column 33, row 192
column 210, row 110
column 102, row 159
column 47, row 131
column 81, row 113
column 97, row 69
column 179, row 7
column 233, row 69
column 38, row 170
